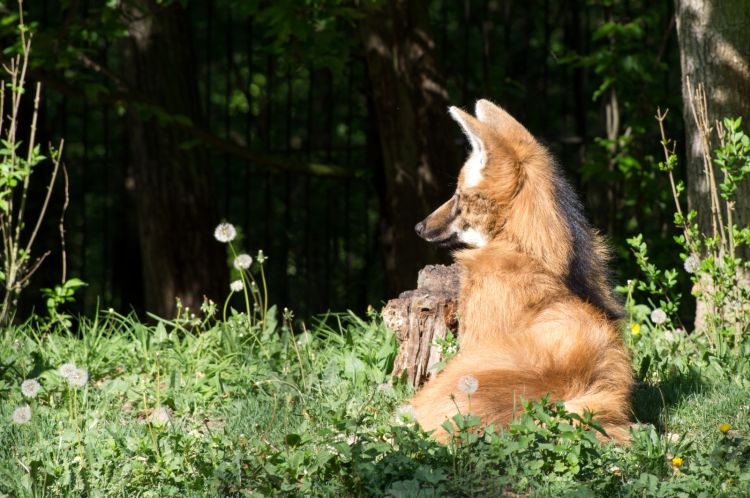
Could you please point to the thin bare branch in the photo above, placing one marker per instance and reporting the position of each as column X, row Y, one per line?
column 61, row 225
column 25, row 280
column 27, row 176
column 660, row 117
column 56, row 162
column 699, row 110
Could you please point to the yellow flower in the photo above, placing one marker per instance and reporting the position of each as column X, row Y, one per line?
column 724, row 428
column 635, row 328
column 677, row 462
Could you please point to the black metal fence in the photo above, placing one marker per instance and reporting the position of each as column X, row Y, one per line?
column 320, row 233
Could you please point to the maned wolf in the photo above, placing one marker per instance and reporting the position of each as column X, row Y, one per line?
column 536, row 312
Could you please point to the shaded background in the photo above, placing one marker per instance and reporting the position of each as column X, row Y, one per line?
column 295, row 81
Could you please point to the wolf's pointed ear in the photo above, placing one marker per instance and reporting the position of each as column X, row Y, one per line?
column 472, row 128
column 502, row 122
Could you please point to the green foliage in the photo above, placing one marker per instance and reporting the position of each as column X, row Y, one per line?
column 206, row 408
column 448, row 349
column 732, row 157
column 627, row 61
column 59, row 295
column 710, row 364
column 321, row 32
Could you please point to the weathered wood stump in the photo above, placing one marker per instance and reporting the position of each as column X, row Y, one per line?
column 419, row 317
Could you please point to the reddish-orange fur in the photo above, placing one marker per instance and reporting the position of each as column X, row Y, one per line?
column 536, row 313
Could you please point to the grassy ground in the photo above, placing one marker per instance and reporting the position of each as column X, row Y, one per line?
column 228, row 408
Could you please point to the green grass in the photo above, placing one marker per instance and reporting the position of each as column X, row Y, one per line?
column 234, row 409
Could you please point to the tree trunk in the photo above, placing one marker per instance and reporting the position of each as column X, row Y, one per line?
column 173, row 189
column 714, row 50
column 410, row 101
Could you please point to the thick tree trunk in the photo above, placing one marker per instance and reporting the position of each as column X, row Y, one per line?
column 714, row 50
column 173, row 190
column 420, row 159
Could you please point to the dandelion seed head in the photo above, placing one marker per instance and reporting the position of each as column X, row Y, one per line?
column 30, row 388
column 236, row 286
column 692, row 263
column 159, row 416
column 468, row 384
column 78, row 378
column 658, row 316
column 406, row 414
column 386, row 389
column 22, row 414
column 225, row 232
column 66, row 369
column 243, row 261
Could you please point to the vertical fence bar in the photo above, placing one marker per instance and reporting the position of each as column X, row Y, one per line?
column 246, row 170
column 308, row 257
column 227, row 101
column 286, row 232
column 348, row 184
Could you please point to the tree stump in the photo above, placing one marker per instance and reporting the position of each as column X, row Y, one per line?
column 419, row 317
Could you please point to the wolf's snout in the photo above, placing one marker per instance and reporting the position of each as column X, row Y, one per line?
column 419, row 228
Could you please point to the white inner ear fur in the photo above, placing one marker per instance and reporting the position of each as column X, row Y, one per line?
column 478, row 158
column 473, row 171
column 479, row 112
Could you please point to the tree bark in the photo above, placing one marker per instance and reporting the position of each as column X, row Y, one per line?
column 714, row 50
column 173, row 189
column 410, row 102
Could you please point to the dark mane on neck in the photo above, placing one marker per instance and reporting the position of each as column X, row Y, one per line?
column 588, row 274
column 546, row 221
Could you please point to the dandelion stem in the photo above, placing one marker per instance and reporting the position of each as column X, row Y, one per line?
column 299, row 357
column 265, row 293
column 226, row 304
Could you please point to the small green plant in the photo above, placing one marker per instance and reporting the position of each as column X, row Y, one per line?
column 448, row 346
column 18, row 161
column 20, row 157
column 59, row 295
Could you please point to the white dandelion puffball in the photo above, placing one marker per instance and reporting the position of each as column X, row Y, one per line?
column 225, row 232
column 468, row 384
column 386, row 389
column 66, row 369
column 236, row 286
column 406, row 413
column 78, row 378
column 692, row 264
column 30, row 388
column 243, row 261
column 159, row 416
column 658, row 316
column 22, row 414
